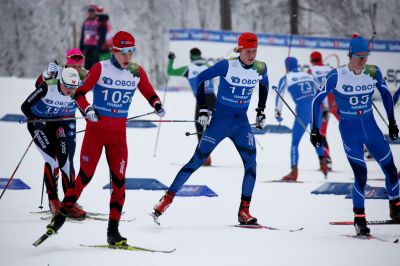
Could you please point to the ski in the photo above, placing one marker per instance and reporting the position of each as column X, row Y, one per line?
column 43, row 237
column 88, row 217
column 371, row 222
column 129, row 247
column 259, row 226
column 372, row 237
column 283, row 181
column 87, row 212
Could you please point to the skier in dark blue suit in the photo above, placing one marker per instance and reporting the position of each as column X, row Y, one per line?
column 238, row 78
column 301, row 87
column 352, row 86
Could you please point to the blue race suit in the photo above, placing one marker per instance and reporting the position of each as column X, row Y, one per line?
column 301, row 87
column 237, row 82
column 357, row 125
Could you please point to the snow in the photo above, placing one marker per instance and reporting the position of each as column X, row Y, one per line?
column 200, row 227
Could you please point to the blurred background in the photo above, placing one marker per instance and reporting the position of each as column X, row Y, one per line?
column 36, row 32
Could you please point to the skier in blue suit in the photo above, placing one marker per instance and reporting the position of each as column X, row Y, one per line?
column 238, row 78
column 301, row 87
column 353, row 86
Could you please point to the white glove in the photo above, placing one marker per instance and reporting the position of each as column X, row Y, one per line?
column 160, row 111
column 204, row 117
column 91, row 114
column 51, row 72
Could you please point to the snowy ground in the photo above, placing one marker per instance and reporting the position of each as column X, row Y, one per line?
column 199, row 228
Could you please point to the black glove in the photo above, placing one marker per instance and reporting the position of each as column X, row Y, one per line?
column 316, row 138
column 393, row 130
column 260, row 118
column 171, row 55
column 39, row 125
column 160, row 111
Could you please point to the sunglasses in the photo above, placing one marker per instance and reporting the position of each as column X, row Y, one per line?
column 125, row 50
column 70, row 87
column 76, row 57
column 360, row 56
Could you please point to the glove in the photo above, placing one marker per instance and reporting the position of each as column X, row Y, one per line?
column 278, row 116
column 204, row 117
column 91, row 114
column 39, row 125
column 158, row 107
column 171, row 55
column 260, row 118
column 393, row 130
column 316, row 138
column 52, row 71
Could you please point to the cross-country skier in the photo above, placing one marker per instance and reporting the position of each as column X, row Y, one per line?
column 319, row 71
column 55, row 140
column 353, row 86
column 74, row 59
column 238, row 78
column 302, row 89
column 196, row 66
column 113, row 83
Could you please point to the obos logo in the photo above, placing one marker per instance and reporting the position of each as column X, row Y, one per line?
column 235, row 80
column 349, row 88
column 107, row 81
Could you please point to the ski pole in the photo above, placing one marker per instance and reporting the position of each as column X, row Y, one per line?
column 41, row 198
column 129, row 119
column 159, row 124
column 291, row 110
column 51, row 120
column 380, row 114
column 19, row 163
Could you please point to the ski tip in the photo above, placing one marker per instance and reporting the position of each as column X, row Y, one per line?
column 396, row 241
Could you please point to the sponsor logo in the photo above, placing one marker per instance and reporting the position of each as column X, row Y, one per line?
column 121, row 167
column 60, row 133
column 349, row 88
column 250, row 139
column 393, row 76
column 107, row 81
column 123, row 83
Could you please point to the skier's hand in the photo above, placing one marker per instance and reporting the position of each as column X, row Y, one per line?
column 204, row 117
column 393, row 130
column 159, row 109
column 39, row 125
column 260, row 118
column 316, row 138
column 52, row 70
column 171, row 55
column 91, row 114
column 278, row 116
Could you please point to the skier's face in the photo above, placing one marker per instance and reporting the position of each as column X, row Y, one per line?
column 78, row 67
column 123, row 58
column 358, row 60
column 248, row 56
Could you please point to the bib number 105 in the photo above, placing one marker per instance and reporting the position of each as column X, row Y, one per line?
column 117, row 96
column 355, row 100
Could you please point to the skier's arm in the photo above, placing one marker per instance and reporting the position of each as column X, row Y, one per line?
column 263, row 89
column 385, row 94
column 146, row 88
column 327, row 86
column 91, row 80
column 32, row 99
column 219, row 69
column 281, row 91
column 179, row 72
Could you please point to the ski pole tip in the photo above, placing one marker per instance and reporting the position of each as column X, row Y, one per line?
column 187, row 134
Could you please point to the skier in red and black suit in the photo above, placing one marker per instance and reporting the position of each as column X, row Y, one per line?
column 113, row 83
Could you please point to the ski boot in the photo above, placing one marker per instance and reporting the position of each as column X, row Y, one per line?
column 360, row 223
column 77, row 213
column 54, row 205
column 113, row 235
column 57, row 222
column 207, row 162
column 244, row 215
column 292, row 176
column 394, row 206
column 323, row 166
column 163, row 205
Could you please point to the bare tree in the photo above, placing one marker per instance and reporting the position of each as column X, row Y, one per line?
column 225, row 11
